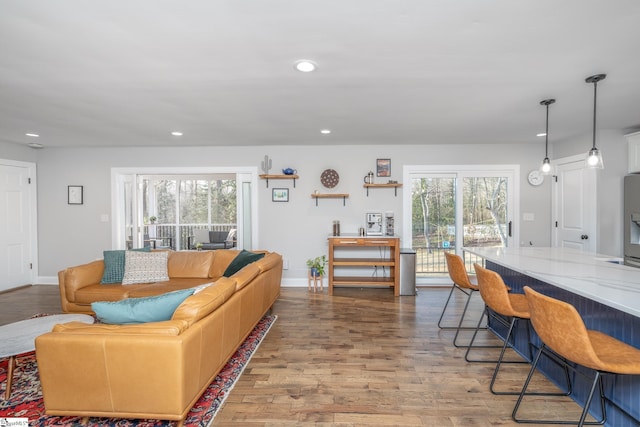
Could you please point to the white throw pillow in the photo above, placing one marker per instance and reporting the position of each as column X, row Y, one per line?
column 145, row 267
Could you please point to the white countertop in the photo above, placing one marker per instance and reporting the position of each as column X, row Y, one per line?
column 587, row 274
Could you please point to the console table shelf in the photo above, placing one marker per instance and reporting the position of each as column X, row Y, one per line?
column 279, row 176
column 365, row 247
column 389, row 185
column 362, row 280
column 342, row 196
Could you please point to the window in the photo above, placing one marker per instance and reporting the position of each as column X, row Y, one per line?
column 449, row 207
column 163, row 209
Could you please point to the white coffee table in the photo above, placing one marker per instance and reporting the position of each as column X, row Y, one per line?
column 19, row 337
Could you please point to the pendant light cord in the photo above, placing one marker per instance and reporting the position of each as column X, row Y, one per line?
column 595, row 97
column 546, row 135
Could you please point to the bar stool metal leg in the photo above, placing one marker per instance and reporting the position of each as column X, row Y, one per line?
column 597, row 383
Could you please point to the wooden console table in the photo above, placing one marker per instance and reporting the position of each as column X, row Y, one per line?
column 387, row 250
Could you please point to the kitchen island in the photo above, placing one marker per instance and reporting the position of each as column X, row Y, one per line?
column 605, row 293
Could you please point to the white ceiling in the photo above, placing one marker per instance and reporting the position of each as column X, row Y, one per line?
column 127, row 73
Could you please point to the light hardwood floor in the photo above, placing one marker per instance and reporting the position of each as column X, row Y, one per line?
column 361, row 357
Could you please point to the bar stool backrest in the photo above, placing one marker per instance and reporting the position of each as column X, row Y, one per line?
column 458, row 272
column 561, row 328
column 494, row 292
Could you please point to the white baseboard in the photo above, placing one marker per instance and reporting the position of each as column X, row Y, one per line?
column 296, row 282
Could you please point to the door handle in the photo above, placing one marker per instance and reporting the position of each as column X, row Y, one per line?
column 509, row 228
column 584, row 237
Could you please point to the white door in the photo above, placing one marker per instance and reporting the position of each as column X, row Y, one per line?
column 574, row 205
column 17, row 225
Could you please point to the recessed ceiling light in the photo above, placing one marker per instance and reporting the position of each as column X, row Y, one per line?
column 305, row 65
column 541, row 134
column 32, row 135
column 176, row 133
column 325, row 131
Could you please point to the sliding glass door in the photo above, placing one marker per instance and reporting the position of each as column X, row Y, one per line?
column 447, row 208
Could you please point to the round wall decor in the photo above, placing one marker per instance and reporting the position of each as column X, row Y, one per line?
column 329, row 178
column 535, row 177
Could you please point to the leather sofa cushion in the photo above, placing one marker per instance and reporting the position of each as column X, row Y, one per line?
column 269, row 261
column 184, row 264
column 206, row 301
column 246, row 275
column 98, row 292
column 168, row 286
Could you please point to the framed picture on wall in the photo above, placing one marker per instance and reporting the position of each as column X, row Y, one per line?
column 383, row 167
column 280, row 195
column 74, row 194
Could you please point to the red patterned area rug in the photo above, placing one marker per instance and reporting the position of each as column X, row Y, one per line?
column 26, row 397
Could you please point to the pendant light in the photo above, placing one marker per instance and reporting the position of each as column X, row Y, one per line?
column 594, row 158
column 546, row 164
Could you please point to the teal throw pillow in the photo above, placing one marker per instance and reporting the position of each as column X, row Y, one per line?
column 140, row 310
column 114, row 265
column 242, row 259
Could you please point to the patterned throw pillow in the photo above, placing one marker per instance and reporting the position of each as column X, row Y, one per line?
column 145, row 267
column 114, row 265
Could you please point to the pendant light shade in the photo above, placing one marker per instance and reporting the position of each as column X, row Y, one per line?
column 546, row 163
column 594, row 157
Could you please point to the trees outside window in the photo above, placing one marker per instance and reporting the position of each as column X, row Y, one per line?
column 184, row 203
column 451, row 210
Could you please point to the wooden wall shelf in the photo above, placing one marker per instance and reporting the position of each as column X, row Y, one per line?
column 389, row 185
column 279, row 176
column 342, row 196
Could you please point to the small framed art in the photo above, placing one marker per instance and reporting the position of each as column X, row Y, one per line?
column 280, row 195
column 383, row 167
column 75, row 194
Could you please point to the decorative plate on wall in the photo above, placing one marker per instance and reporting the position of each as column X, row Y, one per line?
column 329, row 178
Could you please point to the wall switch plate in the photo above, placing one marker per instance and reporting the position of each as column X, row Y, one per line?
column 285, row 264
column 528, row 217
column 104, row 218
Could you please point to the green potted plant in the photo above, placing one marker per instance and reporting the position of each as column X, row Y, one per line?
column 153, row 219
column 317, row 265
column 199, row 246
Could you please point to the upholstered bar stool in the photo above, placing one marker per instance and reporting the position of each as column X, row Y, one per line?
column 497, row 299
column 461, row 282
column 563, row 333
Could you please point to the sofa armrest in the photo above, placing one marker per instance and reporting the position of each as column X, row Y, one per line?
column 74, row 278
column 168, row 327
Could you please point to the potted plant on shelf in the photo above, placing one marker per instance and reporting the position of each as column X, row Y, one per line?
column 153, row 219
column 317, row 265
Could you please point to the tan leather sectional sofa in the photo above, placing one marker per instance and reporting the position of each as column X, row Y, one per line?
column 153, row 370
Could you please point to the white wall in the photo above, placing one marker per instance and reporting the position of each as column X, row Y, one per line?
column 18, row 152
column 614, row 148
column 72, row 234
